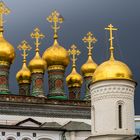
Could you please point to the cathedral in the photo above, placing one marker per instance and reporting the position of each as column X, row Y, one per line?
column 105, row 113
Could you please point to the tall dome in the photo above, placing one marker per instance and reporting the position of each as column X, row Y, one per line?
column 112, row 69
column 90, row 66
column 37, row 64
column 74, row 79
column 23, row 75
column 57, row 59
column 56, row 55
column 7, row 52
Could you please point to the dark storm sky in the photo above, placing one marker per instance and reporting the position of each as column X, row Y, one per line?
column 80, row 17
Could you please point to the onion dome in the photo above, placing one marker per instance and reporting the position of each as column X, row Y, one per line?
column 37, row 64
column 56, row 55
column 74, row 79
column 7, row 52
column 90, row 66
column 24, row 75
column 112, row 69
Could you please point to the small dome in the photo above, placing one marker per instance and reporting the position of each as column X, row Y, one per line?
column 112, row 69
column 89, row 67
column 37, row 64
column 56, row 55
column 7, row 52
column 24, row 75
column 74, row 79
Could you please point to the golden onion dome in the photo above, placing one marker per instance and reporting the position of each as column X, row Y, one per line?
column 56, row 55
column 89, row 67
column 7, row 52
column 74, row 79
column 111, row 70
column 24, row 75
column 37, row 64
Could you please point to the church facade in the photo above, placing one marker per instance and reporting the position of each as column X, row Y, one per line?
column 105, row 113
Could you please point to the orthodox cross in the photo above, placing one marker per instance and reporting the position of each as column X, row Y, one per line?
column 3, row 10
column 89, row 38
column 56, row 18
column 110, row 28
column 37, row 35
column 74, row 52
column 24, row 46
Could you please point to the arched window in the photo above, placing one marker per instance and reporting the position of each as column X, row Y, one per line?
column 120, row 116
column 120, row 108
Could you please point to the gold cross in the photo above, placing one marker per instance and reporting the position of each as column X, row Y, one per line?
column 73, row 52
column 24, row 46
column 110, row 28
column 37, row 35
column 56, row 18
column 89, row 38
column 3, row 10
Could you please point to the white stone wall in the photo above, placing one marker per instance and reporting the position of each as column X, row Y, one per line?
column 28, row 134
column 45, row 135
column 105, row 97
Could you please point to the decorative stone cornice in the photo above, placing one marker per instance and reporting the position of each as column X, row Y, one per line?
column 112, row 91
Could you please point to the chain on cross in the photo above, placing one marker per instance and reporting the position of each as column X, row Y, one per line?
column 24, row 46
column 89, row 38
column 110, row 28
column 3, row 10
column 56, row 18
column 74, row 52
column 37, row 35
